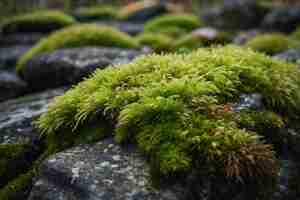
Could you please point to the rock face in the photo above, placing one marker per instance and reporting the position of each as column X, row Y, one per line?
column 292, row 55
column 11, row 85
column 9, row 55
column 234, row 14
column 284, row 19
column 101, row 171
column 68, row 66
column 20, row 39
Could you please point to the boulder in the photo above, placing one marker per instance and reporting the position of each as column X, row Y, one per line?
column 10, row 85
column 100, row 171
column 69, row 66
column 283, row 19
column 292, row 55
column 20, row 39
column 10, row 54
column 234, row 15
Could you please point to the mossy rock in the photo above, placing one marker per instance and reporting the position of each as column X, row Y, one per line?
column 296, row 34
column 272, row 43
column 79, row 36
column 40, row 21
column 176, row 109
column 194, row 41
column 97, row 13
column 173, row 24
column 158, row 42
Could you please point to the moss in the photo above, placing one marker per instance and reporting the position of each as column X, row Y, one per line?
column 41, row 21
column 15, row 159
column 192, row 41
column 77, row 36
column 18, row 188
column 296, row 34
column 174, row 108
column 272, row 43
column 173, row 25
column 158, row 42
column 97, row 13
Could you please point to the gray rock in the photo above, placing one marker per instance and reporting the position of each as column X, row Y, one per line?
column 20, row 39
column 69, row 66
column 11, row 85
column 126, row 27
column 284, row 19
column 10, row 55
column 101, row 171
column 234, row 14
column 245, row 36
column 292, row 55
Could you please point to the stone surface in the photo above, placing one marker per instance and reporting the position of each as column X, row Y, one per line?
column 68, row 66
column 245, row 36
column 17, row 115
column 20, row 39
column 284, row 19
column 102, row 171
column 292, row 55
column 11, row 85
column 234, row 14
column 10, row 54
column 126, row 27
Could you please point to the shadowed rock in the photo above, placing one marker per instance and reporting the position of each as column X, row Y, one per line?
column 10, row 55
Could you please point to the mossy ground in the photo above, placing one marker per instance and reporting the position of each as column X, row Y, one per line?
column 97, row 13
column 176, row 108
column 272, row 43
column 173, row 24
column 39, row 21
column 77, row 36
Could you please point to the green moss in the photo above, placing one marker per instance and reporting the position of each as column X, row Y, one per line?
column 173, row 25
column 19, row 188
column 97, row 13
column 192, row 41
column 272, row 43
column 41, row 21
column 78, row 36
column 15, row 159
column 174, row 108
column 158, row 42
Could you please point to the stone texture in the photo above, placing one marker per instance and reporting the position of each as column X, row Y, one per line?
column 20, row 39
column 292, row 55
column 10, row 54
column 11, row 85
column 243, row 37
column 68, row 66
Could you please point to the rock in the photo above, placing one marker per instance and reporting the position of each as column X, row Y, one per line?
column 20, row 39
column 292, row 55
column 234, row 14
column 100, row 171
column 245, row 36
column 9, row 55
column 283, row 19
column 11, row 85
column 68, row 66
column 126, row 27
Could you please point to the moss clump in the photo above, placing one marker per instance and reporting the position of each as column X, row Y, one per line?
column 97, row 13
column 173, row 25
column 18, row 188
column 77, row 36
column 272, row 43
column 41, row 21
column 193, row 41
column 174, row 107
column 158, row 42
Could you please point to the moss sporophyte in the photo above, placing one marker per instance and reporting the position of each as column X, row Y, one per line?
column 176, row 109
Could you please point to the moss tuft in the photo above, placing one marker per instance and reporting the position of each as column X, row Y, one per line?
column 175, row 109
column 173, row 25
column 158, row 42
column 272, row 43
column 41, row 21
column 97, row 13
column 78, row 36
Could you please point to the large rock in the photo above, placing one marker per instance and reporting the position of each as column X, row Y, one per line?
column 284, row 19
column 292, row 55
column 20, row 39
column 235, row 14
column 101, row 171
column 10, row 55
column 68, row 66
column 11, row 85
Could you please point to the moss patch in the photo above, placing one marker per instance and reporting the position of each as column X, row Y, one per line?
column 272, row 43
column 41, row 21
column 97, row 13
column 173, row 25
column 78, row 36
column 158, row 42
column 175, row 109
